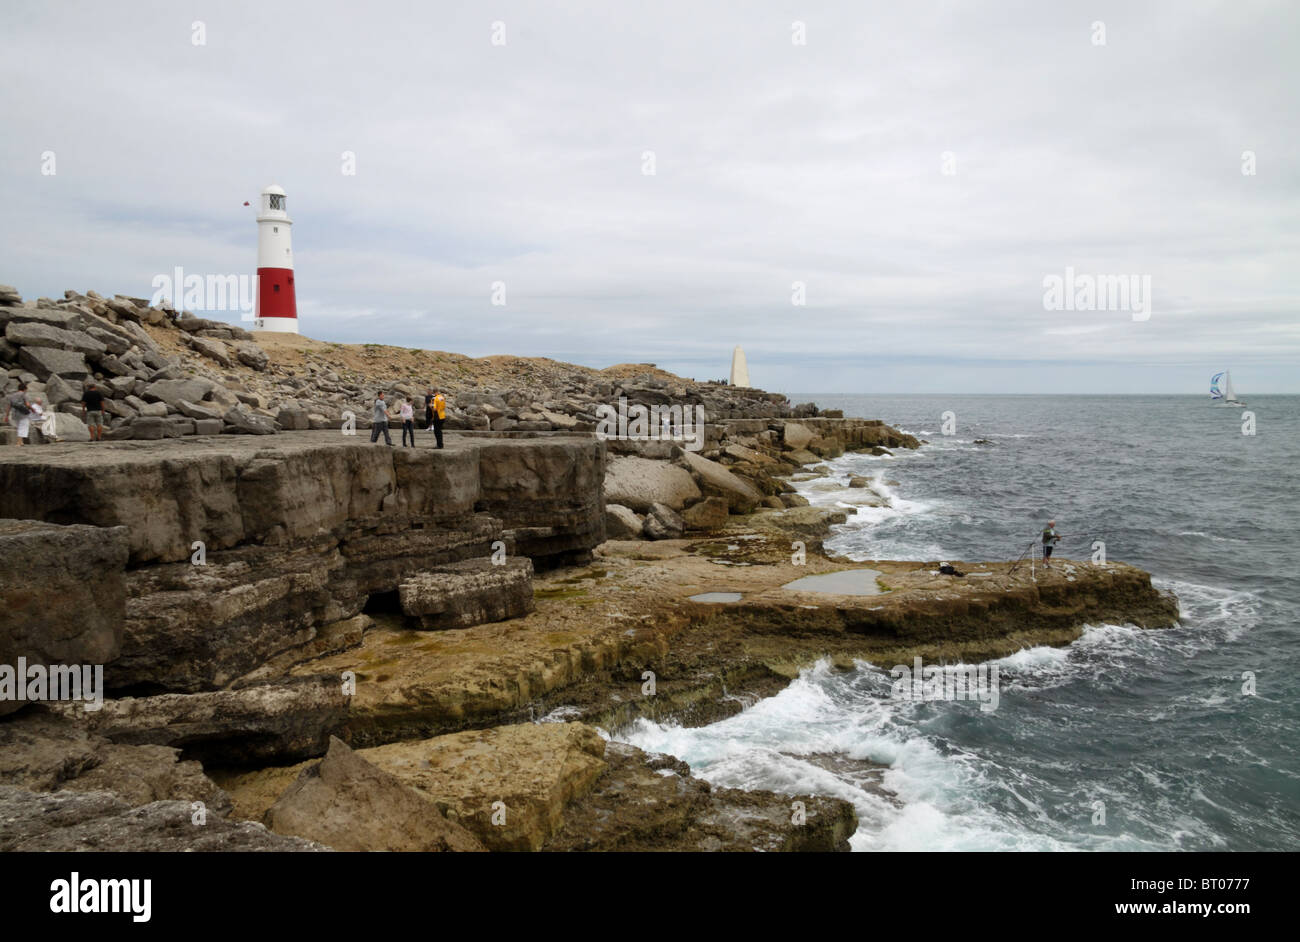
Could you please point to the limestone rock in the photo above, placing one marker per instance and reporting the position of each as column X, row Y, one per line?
column 247, row 423
column 193, row 411
column 62, row 594
column 41, row 752
column 717, row 481
column 639, row 483
column 708, row 514
column 663, row 523
column 147, row 428
column 55, row 317
column 59, row 390
column 88, row 821
column 460, row 595
column 348, row 804
column 621, row 523
column 212, row 349
column 251, row 355
column 45, row 335
column 115, row 342
column 259, row 723
column 175, row 391
column 523, row 775
column 47, row 361
column 646, row 802
column 795, row 436
column 70, row 428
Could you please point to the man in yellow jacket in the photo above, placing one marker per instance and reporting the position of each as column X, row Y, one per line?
column 436, row 407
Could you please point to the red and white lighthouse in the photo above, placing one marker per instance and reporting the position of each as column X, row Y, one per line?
column 276, row 307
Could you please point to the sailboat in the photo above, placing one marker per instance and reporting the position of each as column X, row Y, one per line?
column 1221, row 393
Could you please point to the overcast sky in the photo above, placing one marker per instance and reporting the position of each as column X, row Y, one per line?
column 775, row 162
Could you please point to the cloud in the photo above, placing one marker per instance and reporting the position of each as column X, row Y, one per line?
column 774, row 164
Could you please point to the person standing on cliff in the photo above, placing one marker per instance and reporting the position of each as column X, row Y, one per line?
column 92, row 411
column 17, row 404
column 407, row 413
column 1050, row 538
column 379, row 422
column 438, row 411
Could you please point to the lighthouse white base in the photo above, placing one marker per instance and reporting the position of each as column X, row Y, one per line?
column 279, row 325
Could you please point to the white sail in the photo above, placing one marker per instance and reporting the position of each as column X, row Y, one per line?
column 1221, row 391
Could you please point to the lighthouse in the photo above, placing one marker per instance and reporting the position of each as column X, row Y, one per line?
column 276, row 308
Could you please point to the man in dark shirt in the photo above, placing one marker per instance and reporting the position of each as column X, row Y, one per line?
column 92, row 410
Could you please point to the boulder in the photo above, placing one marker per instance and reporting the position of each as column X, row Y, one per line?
column 155, row 409
column 148, row 428
column 58, row 390
column 239, row 422
column 796, row 437
column 348, row 804
column 45, row 335
column 139, row 335
column 621, row 523
column 663, row 523
column 112, row 365
column 55, row 317
column 508, row 785
column 192, row 411
column 212, row 349
column 717, row 481
column 293, row 420
column 113, row 341
column 250, row 354
column 47, row 361
column 639, row 483
column 175, row 391
column 708, row 514
column 208, row 426
column 70, row 428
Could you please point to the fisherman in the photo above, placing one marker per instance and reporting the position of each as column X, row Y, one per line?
column 1050, row 538
column 438, row 413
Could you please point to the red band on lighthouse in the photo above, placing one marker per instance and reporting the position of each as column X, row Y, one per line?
column 277, row 305
column 275, row 293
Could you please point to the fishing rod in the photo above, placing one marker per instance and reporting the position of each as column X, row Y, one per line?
column 1021, row 558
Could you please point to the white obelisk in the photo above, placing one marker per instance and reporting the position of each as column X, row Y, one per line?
column 739, row 368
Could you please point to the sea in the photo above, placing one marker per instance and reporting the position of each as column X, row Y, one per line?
column 1185, row 739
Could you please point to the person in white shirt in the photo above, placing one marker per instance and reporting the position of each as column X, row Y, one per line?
column 407, row 412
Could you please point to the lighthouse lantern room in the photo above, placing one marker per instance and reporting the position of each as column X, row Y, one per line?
column 277, row 308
